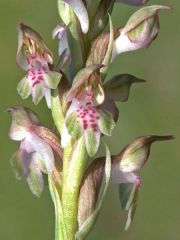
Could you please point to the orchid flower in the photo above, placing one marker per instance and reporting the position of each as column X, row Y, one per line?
column 140, row 30
column 34, row 57
column 85, row 117
column 38, row 147
column 130, row 159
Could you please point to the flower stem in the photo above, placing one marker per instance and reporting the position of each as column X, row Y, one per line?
column 74, row 163
column 60, row 229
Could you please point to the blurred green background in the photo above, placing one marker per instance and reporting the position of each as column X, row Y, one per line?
column 153, row 108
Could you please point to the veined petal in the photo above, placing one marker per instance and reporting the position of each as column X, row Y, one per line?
column 106, row 122
column 24, row 88
column 52, row 79
column 74, row 126
column 43, row 149
column 35, row 179
column 37, row 93
column 92, row 141
column 81, row 13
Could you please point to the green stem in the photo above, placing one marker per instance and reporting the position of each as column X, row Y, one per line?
column 74, row 164
column 57, row 111
column 60, row 229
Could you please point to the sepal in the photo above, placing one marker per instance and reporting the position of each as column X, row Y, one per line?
column 118, row 88
column 134, row 156
column 128, row 194
column 140, row 30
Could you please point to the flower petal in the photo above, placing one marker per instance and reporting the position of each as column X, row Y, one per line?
column 52, row 79
column 24, row 88
column 35, row 179
column 37, row 93
column 43, row 149
column 74, row 126
column 128, row 194
column 81, row 13
column 92, row 141
column 106, row 122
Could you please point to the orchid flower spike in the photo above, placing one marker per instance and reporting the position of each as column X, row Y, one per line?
column 38, row 148
column 34, row 57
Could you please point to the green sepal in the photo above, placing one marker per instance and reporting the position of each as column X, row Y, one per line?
column 15, row 163
column 24, row 88
column 128, row 194
column 52, row 79
column 74, row 126
column 86, row 227
column 37, row 93
column 142, row 15
column 92, row 141
column 118, row 88
column 35, row 180
column 134, row 156
column 106, row 122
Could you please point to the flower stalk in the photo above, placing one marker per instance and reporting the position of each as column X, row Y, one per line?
column 83, row 108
